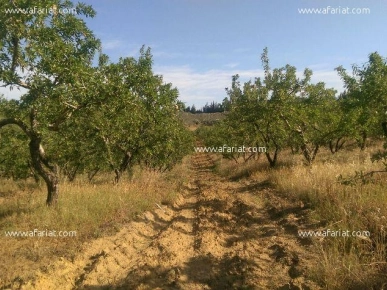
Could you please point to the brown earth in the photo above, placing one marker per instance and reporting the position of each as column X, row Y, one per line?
column 219, row 234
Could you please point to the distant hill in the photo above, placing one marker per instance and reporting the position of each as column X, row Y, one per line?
column 201, row 118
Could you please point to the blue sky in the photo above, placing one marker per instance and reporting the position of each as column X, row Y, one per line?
column 199, row 44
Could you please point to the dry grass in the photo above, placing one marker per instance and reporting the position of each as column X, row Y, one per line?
column 346, row 262
column 355, row 262
column 92, row 210
column 100, row 209
column 240, row 169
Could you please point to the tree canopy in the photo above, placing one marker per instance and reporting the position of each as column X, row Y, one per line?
column 76, row 115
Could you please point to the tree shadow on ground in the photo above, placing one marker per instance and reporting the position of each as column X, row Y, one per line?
column 203, row 271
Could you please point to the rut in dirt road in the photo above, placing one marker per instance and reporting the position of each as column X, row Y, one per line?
column 219, row 239
column 217, row 235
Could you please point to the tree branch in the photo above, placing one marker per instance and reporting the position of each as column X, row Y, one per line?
column 15, row 53
column 23, row 85
column 19, row 123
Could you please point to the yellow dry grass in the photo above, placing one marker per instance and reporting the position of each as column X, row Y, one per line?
column 92, row 210
column 346, row 262
column 353, row 261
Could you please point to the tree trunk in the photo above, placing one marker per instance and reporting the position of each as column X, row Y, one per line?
column 43, row 167
column 48, row 171
column 363, row 140
column 309, row 154
column 124, row 165
column 91, row 174
column 245, row 159
column 272, row 160
column 71, row 173
column 52, row 190
column 336, row 146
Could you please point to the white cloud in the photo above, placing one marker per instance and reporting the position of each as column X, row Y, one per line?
column 201, row 87
column 330, row 78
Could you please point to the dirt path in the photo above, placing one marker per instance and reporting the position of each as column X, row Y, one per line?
column 218, row 235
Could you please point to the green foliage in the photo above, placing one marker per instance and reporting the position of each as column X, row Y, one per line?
column 132, row 120
column 137, row 121
column 365, row 103
column 50, row 55
column 365, row 99
column 14, row 155
column 317, row 119
column 283, row 110
column 224, row 135
column 76, row 117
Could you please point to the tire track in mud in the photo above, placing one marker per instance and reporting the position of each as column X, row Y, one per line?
column 217, row 235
